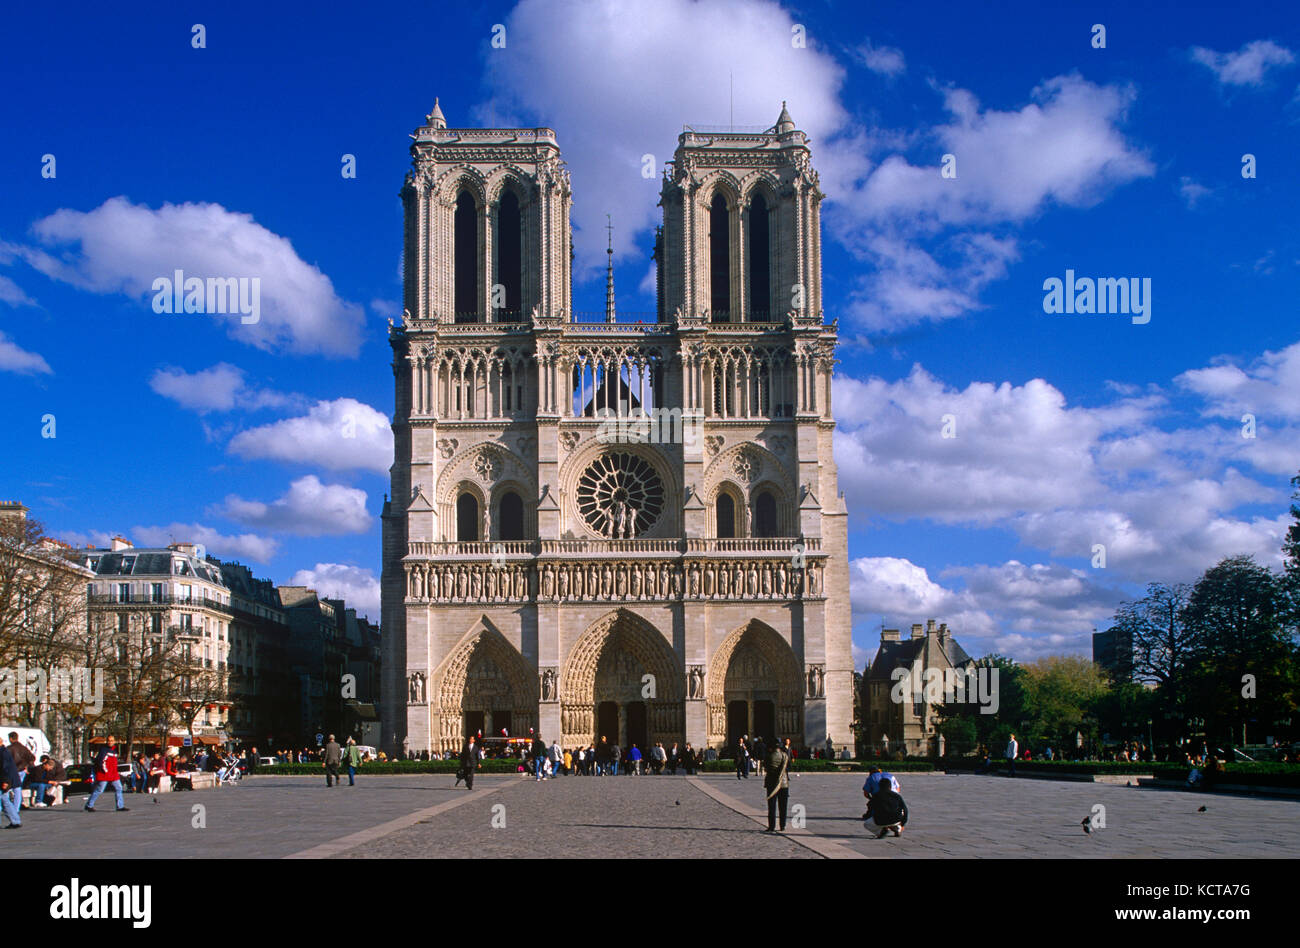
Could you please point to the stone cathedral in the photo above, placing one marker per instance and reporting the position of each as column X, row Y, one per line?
column 614, row 524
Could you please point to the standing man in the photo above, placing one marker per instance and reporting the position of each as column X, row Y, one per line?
column 353, row 755
column 539, row 757
column 24, row 760
column 777, row 783
column 333, row 755
column 105, row 774
column 9, row 779
column 1013, row 749
column 469, row 762
column 760, row 754
column 688, row 758
column 742, row 760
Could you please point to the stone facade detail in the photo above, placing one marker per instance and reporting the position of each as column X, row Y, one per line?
column 601, row 527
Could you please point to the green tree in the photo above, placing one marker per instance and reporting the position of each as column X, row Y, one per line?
column 1061, row 692
column 981, row 728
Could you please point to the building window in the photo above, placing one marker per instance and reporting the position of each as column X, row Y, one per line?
column 726, row 513
column 186, row 592
column 465, row 276
column 156, row 592
column 509, row 247
column 510, row 517
column 765, row 515
column 467, row 519
column 760, row 279
column 124, row 592
column 719, row 260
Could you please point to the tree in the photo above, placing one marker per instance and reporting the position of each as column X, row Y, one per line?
column 145, row 669
column 984, row 728
column 1162, row 642
column 1242, row 656
column 1291, row 553
column 1060, row 693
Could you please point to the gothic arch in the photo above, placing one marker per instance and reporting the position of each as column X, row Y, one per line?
column 508, row 177
column 788, row 679
column 720, row 182
column 768, row 473
column 462, row 178
column 625, row 630
column 515, row 691
column 669, row 522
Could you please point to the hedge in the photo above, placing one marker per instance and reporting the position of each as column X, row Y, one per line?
column 1257, row 774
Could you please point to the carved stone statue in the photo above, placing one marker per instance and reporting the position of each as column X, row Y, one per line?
column 548, row 685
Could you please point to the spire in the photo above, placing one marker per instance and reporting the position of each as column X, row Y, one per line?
column 436, row 118
column 609, row 274
column 784, row 123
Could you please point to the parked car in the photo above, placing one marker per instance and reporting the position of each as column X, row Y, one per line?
column 266, row 761
column 81, row 779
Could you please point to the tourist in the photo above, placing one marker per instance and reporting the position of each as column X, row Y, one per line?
column 777, row 784
column 658, row 758
column 634, row 761
column 333, row 756
column 555, row 757
column 9, row 780
column 711, row 753
column 886, row 812
column 1013, row 750
column 688, row 760
column 539, row 757
column 759, row 750
column 56, row 778
column 106, row 774
column 674, row 759
column 24, row 760
column 353, row 757
column 35, row 782
column 157, row 770
column 468, row 764
column 615, row 757
column 742, row 760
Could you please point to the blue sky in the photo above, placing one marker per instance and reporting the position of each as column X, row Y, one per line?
column 1072, row 430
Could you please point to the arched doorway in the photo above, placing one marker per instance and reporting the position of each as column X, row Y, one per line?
column 485, row 686
column 467, row 520
column 755, row 688
column 622, row 682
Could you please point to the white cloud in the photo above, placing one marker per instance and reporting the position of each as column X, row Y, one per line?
column 309, row 508
column 575, row 67
column 885, row 60
column 1268, row 387
column 358, row 586
column 246, row 545
column 337, row 435
column 219, row 388
column 1247, row 66
column 14, row 358
column 1192, row 191
column 12, row 293
column 120, row 247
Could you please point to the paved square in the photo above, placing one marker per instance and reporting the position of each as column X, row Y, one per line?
column 422, row 816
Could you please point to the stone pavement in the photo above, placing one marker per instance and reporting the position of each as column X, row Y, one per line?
column 652, row 817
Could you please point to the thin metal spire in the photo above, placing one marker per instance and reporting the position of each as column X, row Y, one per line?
column 609, row 273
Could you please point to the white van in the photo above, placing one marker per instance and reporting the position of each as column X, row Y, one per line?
column 34, row 740
column 367, row 749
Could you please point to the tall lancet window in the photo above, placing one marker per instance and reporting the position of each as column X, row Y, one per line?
column 719, row 260
column 510, row 263
column 760, row 274
column 465, row 259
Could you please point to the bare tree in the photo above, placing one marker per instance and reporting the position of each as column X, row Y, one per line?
column 1162, row 642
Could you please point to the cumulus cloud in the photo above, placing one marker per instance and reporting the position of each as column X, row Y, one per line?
column 1245, row 67
column 358, row 586
column 1163, row 500
column 1269, row 386
column 220, row 388
column 342, row 434
column 14, row 358
column 309, row 508
column 120, row 247
column 575, row 66
column 248, row 546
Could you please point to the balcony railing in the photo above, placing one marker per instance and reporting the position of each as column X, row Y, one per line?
column 783, row 546
column 147, row 599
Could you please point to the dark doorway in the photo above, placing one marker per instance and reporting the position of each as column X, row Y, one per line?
column 719, row 260
column 765, row 721
column 467, row 520
column 501, row 720
column 607, row 722
column 465, row 259
column 760, row 282
column 510, row 517
column 638, row 732
column 509, row 256
column 726, row 509
column 473, row 722
column 737, row 722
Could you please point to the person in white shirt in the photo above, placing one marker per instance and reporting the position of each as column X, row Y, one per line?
column 1013, row 751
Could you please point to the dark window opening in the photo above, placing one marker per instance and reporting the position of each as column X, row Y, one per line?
column 719, row 260
column 760, row 276
column 765, row 515
column 510, row 517
column 726, row 512
column 465, row 256
column 467, row 521
column 510, row 256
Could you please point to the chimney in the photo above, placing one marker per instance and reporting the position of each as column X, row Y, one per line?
column 929, row 627
column 186, row 548
column 916, row 630
column 120, row 543
column 12, row 510
column 943, row 632
column 888, row 635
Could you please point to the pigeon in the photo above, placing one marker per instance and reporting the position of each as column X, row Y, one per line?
column 1202, row 809
column 1087, row 824
column 679, row 803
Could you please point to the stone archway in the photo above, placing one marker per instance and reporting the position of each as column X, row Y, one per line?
column 755, row 668
column 605, row 674
column 484, row 680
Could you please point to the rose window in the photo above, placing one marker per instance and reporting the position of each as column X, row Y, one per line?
column 620, row 496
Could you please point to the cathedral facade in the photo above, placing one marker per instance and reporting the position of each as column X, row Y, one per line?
column 613, row 525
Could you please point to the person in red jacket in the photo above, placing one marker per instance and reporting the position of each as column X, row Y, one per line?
column 106, row 773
